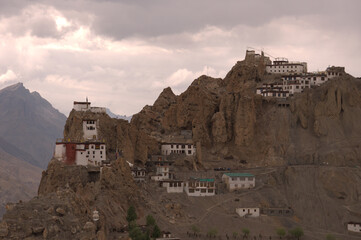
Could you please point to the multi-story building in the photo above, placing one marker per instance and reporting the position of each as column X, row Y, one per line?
column 200, row 187
column 282, row 66
column 235, row 181
column 178, row 148
column 80, row 153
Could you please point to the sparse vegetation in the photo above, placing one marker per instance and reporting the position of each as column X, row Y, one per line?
column 235, row 234
column 330, row 237
column 245, row 232
column 296, row 233
column 195, row 229
column 281, row 232
column 212, row 232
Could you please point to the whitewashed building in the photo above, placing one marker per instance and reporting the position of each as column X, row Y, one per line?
column 90, row 129
column 173, row 186
column 138, row 174
column 248, row 212
column 236, row 181
column 86, row 106
column 80, row 153
column 162, row 173
column 200, row 187
column 178, row 148
column 354, row 227
column 282, row 66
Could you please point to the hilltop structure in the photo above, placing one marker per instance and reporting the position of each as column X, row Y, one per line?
column 86, row 106
column 90, row 150
column 293, row 78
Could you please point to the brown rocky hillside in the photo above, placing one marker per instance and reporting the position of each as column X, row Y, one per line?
column 304, row 152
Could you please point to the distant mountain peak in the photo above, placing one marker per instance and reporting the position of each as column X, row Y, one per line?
column 15, row 87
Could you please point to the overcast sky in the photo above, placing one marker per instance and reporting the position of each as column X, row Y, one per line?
column 121, row 54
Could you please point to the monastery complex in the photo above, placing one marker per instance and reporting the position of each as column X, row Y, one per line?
column 291, row 77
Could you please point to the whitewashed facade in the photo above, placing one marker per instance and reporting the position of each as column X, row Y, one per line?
column 178, row 148
column 162, row 173
column 248, row 212
column 88, row 153
column 282, row 66
column 138, row 174
column 90, row 129
column 86, row 106
column 173, row 186
column 235, row 181
column 354, row 227
column 200, row 187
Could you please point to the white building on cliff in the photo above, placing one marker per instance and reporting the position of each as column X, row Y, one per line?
column 80, row 153
column 86, row 106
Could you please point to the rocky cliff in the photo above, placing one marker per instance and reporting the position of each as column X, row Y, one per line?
column 304, row 151
column 317, row 126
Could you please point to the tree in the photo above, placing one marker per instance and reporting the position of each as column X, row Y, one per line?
column 235, row 234
column 330, row 237
column 245, row 232
column 131, row 214
column 281, row 232
column 135, row 233
column 156, row 232
column 195, row 229
column 150, row 220
column 297, row 232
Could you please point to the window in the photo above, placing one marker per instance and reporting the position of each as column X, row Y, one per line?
column 93, row 152
column 171, row 146
column 297, row 87
column 177, row 146
column 189, row 146
column 314, row 78
column 203, row 190
column 255, row 210
column 92, row 147
column 244, row 210
column 210, row 190
column 88, row 152
column 183, row 146
column 191, row 190
column 189, row 151
column 101, row 152
column 102, row 147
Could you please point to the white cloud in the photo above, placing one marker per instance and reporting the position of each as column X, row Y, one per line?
column 71, row 60
column 9, row 76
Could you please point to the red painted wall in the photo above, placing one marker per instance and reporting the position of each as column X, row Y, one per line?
column 70, row 153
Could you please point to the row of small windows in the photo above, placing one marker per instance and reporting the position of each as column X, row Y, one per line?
column 90, row 122
column 182, row 146
column 291, row 66
column 202, row 190
column 180, row 151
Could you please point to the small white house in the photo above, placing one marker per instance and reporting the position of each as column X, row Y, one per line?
column 178, row 148
column 162, row 173
column 138, row 174
column 86, row 106
column 202, row 187
column 236, row 181
column 248, row 212
column 87, row 153
column 354, row 227
column 90, row 129
column 173, row 186
column 81, row 106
